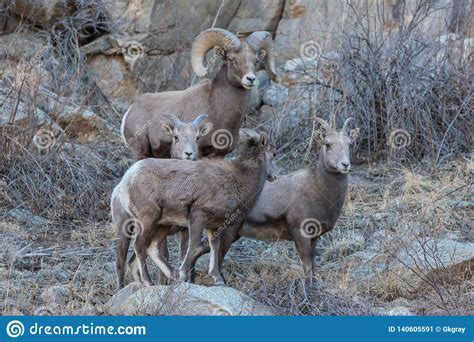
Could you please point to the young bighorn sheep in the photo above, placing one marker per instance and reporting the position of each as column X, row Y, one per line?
column 158, row 193
column 302, row 205
column 225, row 98
column 245, row 135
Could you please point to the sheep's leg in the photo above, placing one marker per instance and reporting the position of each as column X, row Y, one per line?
column 133, row 264
column 155, row 251
column 142, row 242
column 214, row 270
column 202, row 249
column 183, row 246
column 183, row 243
column 162, row 250
column 228, row 237
column 195, row 230
column 303, row 246
column 313, row 256
column 122, row 250
column 164, row 253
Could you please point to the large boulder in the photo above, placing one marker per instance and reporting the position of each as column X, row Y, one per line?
column 183, row 300
column 257, row 16
column 114, row 79
column 170, row 26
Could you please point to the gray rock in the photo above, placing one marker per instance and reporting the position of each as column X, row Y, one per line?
column 26, row 216
column 56, row 294
column 86, row 310
column 260, row 15
column 436, row 253
column 170, row 26
column 22, row 45
column 400, row 311
column 363, row 265
column 45, row 12
column 183, row 299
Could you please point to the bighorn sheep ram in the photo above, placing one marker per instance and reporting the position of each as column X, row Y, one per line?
column 302, row 205
column 155, row 194
column 225, row 98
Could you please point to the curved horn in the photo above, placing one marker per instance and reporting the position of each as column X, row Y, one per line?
column 172, row 118
column 199, row 120
column 263, row 40
column 205, row 41
column 323, row 123
column 346, row 124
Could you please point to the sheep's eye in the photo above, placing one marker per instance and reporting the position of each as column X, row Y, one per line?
column 328, row 145
column 231, row 59
column 197, row 138
column 176, row 138
column 274, row 154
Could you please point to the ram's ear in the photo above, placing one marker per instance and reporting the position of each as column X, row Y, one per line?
column 319, row 136
column 353, row 134
column 205, row 129
column 167, row 129
column 262, row 54
column 219, row 51
column 263, row 140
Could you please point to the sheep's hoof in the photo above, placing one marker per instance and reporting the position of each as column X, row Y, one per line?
column 147, row 283
column 218, row 281
column 183, row 276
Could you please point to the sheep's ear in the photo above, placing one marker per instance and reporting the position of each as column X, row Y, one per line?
column 219, row 51
column 262, row 54
column 167, row 129
column 319, row 136
column 353, row 134
column 263, row 140
column 205, row 129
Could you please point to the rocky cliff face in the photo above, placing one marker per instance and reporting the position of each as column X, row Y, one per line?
column 145, row 46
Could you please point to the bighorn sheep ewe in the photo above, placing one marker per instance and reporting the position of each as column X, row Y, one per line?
column 155, row 194
column 302, row 205
column 224, row 98
column 185, row 135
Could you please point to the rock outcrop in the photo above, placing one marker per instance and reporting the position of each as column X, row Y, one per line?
column 183, row 300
